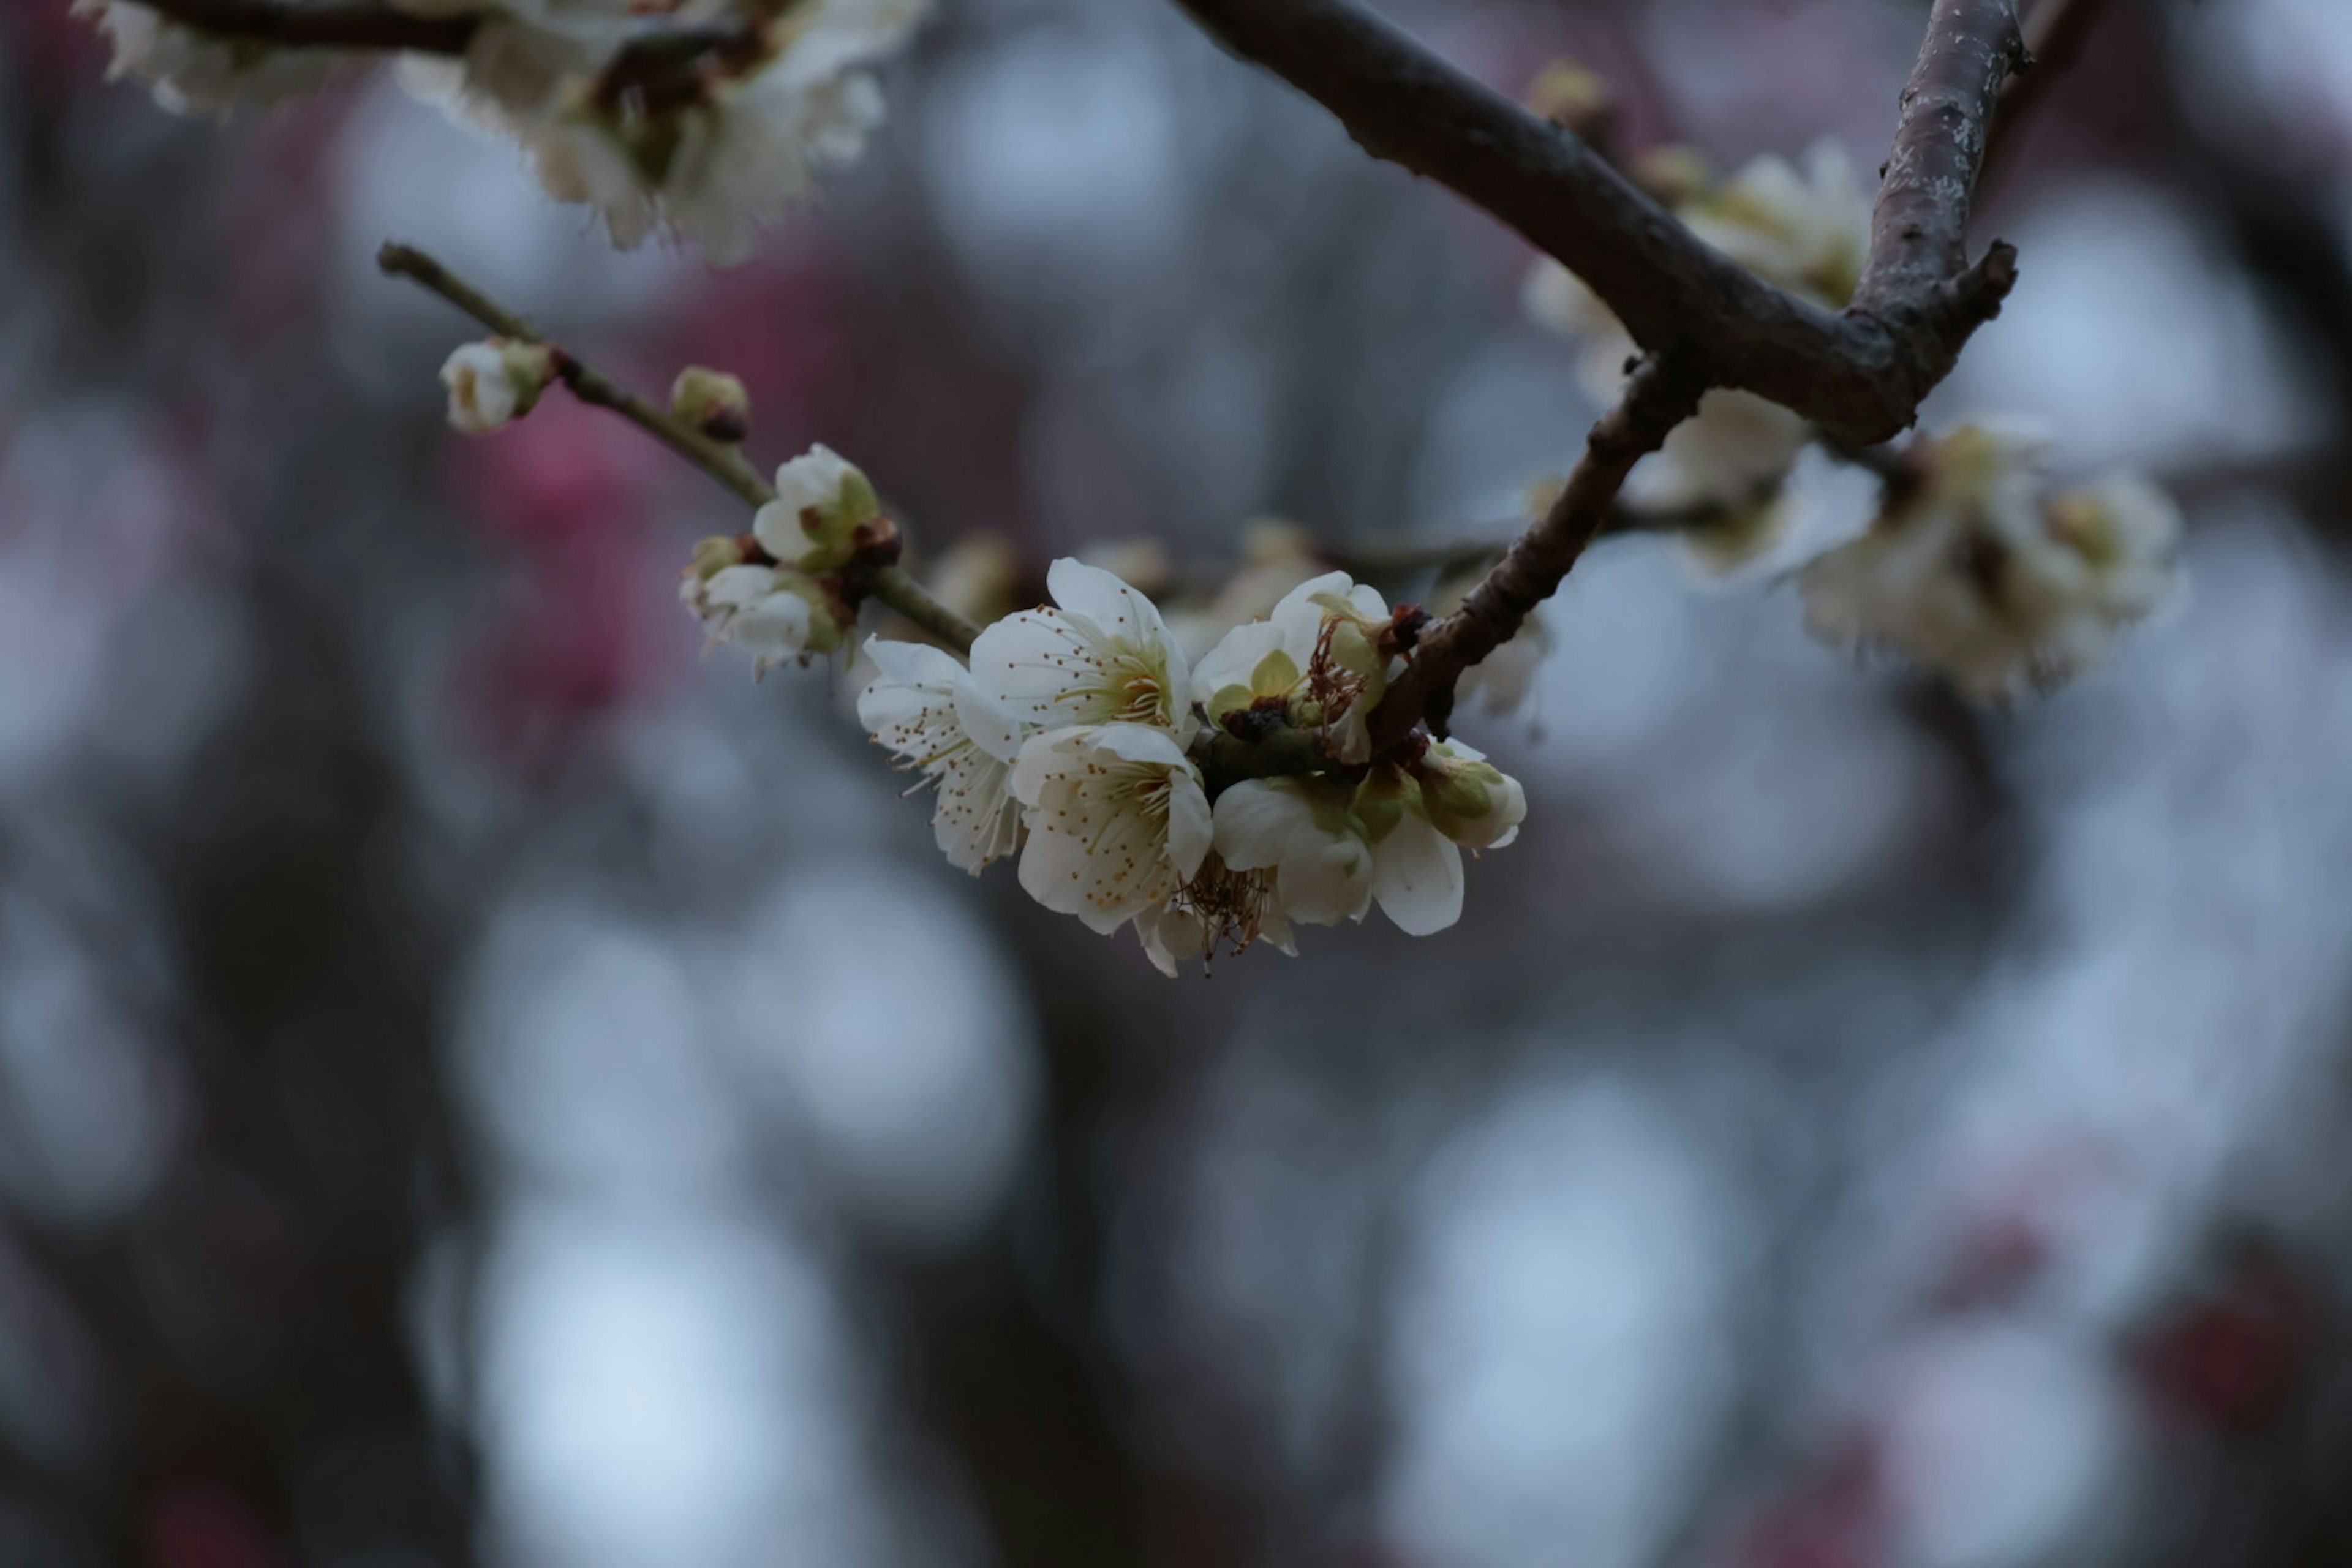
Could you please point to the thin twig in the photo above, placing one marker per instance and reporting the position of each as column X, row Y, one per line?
column 1661, row 395
column 723, row 462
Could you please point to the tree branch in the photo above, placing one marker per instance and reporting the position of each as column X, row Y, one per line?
column 1661, row 395
column 1918, row 240
column 1860, row 375
column 723, row 462
column 668, row 66
column 341, row 25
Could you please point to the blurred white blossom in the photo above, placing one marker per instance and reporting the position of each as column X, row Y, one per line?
column 192, row 72
column 493, row 382
column 1805, row 231
column 715, row 170
column 1983, row 576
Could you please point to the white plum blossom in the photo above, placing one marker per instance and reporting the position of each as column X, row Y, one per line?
column 1118, row 823
column 1983, row 576
column 493, row 382
column 926, row 709
column 191, row 72
column 1101, row 656
column 1319, row 658
column 1302, row 830
column 821, row 499
column 1808, row 233
column 772, row 613
column 1395, row 839
column 717, row 170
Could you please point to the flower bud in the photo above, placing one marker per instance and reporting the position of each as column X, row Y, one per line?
column 712, row 402
column 822, row 501
column 713, row 555
column 494, row 380
column 1469, row 799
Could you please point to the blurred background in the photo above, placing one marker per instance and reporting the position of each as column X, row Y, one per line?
column 477, row 1085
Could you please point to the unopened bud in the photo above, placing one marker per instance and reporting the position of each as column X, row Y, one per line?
column 1469, row 799
column 495, row 381
column 712, row 402
column 714, row 555
column 822, row 501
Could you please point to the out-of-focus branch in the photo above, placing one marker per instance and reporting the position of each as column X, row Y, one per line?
column 1860, row 375
column 344, row 24
column 2056, row 34
column 1661, row 395
column 723, row 462
column 665, row 65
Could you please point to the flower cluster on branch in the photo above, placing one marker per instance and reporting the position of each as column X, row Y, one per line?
column 1279, row 754
column 1074, row 735
column 698, row 120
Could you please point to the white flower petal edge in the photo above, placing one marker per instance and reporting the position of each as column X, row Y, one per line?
column 1118, row 821
column 1103, row 655
column 925, row 708
column 1417, row 877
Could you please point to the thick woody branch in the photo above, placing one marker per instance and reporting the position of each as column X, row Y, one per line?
column 722, row 461
column 1918, row 269
column 1861, row 375
column 1661, row 395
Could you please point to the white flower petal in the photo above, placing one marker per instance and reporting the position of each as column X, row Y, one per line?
column 1417, row 878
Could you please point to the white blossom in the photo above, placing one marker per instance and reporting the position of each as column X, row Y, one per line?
column 1808, row 233
column 1118, row 821
column 192, row 72
column 1395, row 839
column 717, row 170
column 774, row 614
column 1275, row 557
column 1102, row 655
column 821, row 500
column 926, row 709
column 1981, row 576
column 1303, row 831
column 1319, row 655
column 493, row 382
